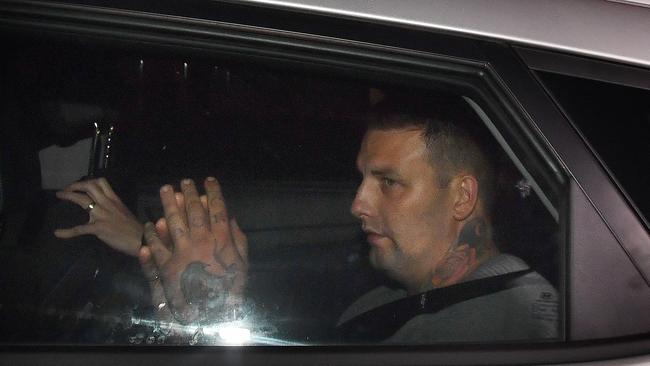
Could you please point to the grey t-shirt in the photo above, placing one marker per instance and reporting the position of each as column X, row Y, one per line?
column 525, row 312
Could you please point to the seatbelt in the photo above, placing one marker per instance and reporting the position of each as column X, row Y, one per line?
column 382, row 322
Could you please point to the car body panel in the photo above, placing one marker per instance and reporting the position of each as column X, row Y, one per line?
column 596, row 28
column 598, row 209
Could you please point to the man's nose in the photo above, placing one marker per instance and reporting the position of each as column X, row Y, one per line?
column 360, row 207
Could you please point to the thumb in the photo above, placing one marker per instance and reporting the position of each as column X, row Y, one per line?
column 150, row 271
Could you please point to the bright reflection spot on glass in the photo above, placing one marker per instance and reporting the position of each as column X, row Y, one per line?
column 231, row 334
column 235, row 335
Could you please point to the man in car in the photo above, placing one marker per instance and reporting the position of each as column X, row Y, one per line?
column 425, row 205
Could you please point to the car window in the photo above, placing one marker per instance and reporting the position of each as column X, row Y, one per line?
column 613, row 119
column 344, row 204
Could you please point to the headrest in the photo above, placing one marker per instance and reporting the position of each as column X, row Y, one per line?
column 72, row 121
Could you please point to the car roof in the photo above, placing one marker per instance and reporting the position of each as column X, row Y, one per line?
column 615, row 30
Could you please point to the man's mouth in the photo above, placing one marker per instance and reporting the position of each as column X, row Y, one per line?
column 373, row 238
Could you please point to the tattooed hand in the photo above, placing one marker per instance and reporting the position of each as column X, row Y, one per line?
column 200, row 255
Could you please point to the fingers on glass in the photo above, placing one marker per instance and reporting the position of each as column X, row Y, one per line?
column 217, row 211
column 163, row 233
column 161, row 254
column 174, row 216
column 241, row 242
column 147, row 263
column 180, row 203
column 197, row 218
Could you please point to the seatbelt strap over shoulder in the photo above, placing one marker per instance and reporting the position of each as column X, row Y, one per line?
column 382, row 322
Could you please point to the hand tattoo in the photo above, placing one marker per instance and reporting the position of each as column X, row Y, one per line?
column 207, row 291
column 218, row 218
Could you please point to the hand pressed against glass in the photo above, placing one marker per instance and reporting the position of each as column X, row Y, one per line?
column 200, row 255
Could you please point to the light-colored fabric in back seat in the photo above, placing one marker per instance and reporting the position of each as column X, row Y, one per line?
column 61, row 166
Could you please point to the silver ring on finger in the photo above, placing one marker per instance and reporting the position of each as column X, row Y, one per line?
column 90, row 206
column 155, row 277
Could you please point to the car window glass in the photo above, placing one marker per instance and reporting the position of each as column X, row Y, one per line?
column 613, row 119
column 344, row 204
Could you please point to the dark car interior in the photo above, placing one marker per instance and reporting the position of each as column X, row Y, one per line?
column 283, row 143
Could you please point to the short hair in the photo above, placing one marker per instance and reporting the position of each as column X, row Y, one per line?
column 456, row 139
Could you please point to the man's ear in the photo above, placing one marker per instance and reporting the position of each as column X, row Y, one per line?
column 466, row 197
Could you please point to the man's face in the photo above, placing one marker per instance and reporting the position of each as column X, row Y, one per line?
column 406, row 215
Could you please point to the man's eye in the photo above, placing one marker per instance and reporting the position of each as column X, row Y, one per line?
column 388, row 182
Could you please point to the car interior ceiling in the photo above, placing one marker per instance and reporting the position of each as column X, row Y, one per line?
column 283, row 143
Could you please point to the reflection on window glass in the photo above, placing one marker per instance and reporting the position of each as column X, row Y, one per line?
column 614, row 119
column 218, row 203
